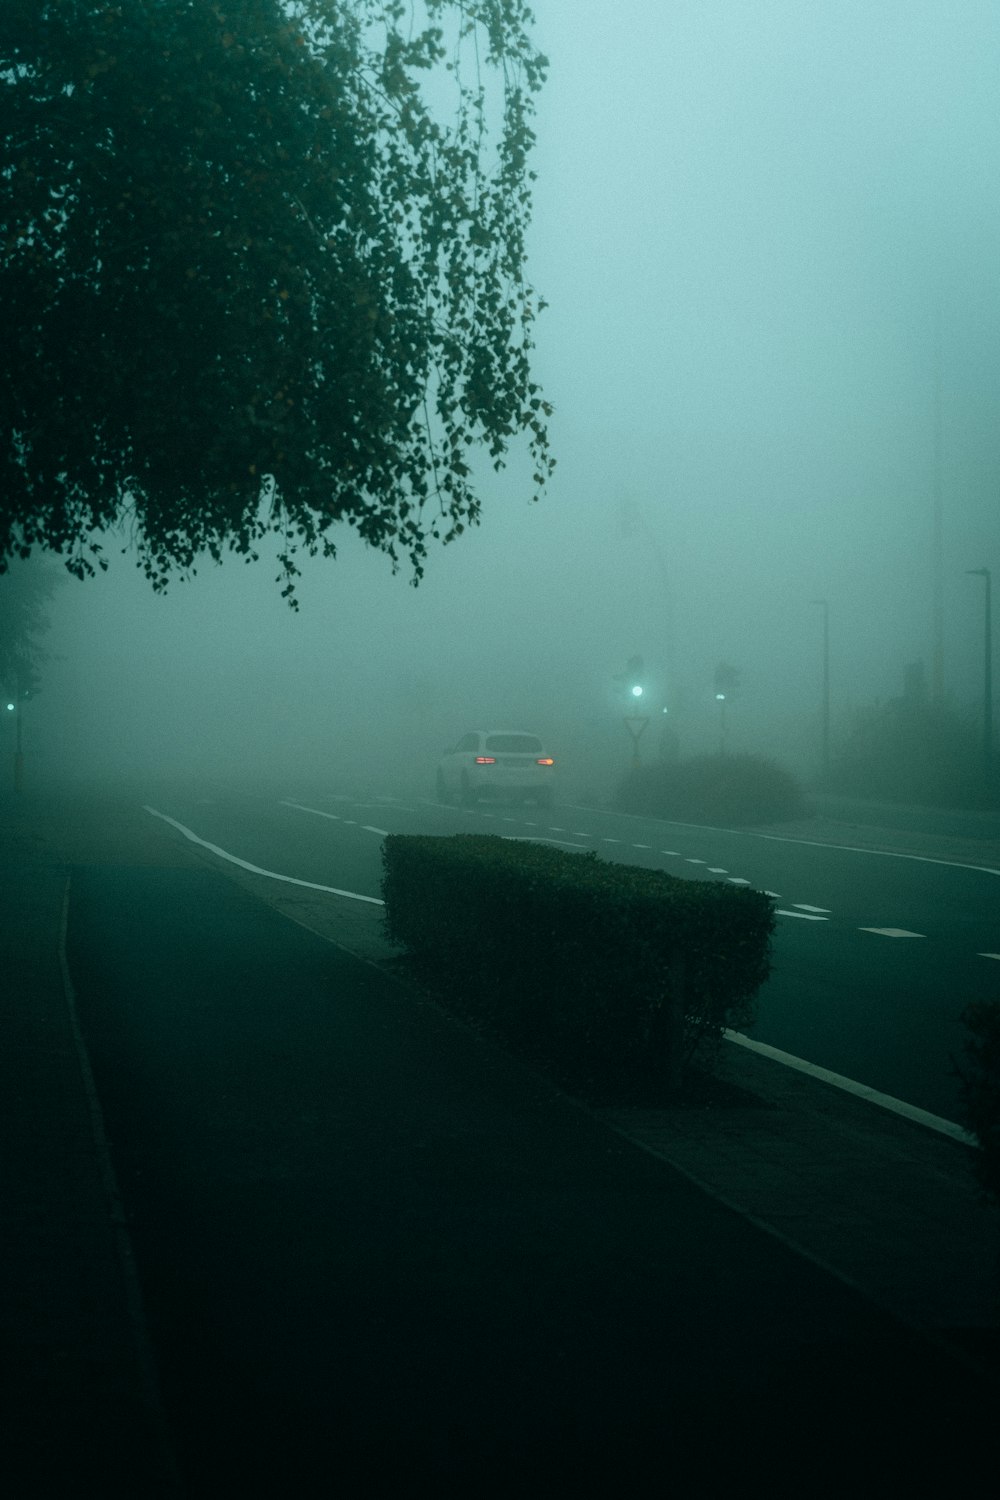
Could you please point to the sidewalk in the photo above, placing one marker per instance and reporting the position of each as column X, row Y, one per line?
column 882, row 1205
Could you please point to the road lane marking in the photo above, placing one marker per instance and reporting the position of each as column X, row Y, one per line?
column 675, row 852
column 244, row 864
column 612, row 841
column 369, row 828
column 694, row 861
column 860, row 1090
column 988, row 955
column 894, row 932
column 644, row 846
column 803, row 906
column 717, row 870
column 805, row 915
column 737, row 880
column 784, row 838
column 538, row 838
column 334, row 817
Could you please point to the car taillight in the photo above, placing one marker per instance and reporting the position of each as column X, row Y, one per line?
column 545, row 760
column 486, row 760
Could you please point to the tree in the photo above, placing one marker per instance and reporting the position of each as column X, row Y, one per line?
column 256, row 280
column 25, row 589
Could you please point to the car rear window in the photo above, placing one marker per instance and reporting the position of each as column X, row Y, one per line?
column 513, row 744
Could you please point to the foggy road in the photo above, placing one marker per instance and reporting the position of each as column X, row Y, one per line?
column 875, row 955
column 374, row 1245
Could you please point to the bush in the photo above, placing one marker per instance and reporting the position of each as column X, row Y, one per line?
column 980, row 1081
column 909, row 750
column 587, row 964
column 712, row 789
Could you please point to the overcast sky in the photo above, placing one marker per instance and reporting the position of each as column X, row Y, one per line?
column 751, row 216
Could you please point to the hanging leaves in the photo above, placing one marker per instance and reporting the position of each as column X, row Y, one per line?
column 257, row 278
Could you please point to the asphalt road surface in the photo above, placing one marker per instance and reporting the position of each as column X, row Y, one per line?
column 379, row 1256
column 875, row 954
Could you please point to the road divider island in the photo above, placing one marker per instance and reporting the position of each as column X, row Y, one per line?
column 598, row 968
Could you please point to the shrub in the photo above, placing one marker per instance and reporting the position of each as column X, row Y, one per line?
column 909, row 750
column 583, row 962
column 980, row 1081
column 712, row 789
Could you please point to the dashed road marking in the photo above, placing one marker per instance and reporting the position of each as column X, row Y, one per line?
column 988, row 955
column 803, row 906
column 383, row 832
column 538, row 838
column 893, row 932
column 694, row 861
column 736, row 880
column 804, row 915
column 717, row 870
column 611, row 841
column 642, row 846
column 334, row 817
column 674, row 852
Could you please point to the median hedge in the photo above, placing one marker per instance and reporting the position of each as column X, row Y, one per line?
column 577, row 959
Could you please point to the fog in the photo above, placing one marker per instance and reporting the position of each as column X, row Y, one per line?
column 769, row 236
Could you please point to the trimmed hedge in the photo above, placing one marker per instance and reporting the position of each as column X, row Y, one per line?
column 712, row 789
column 577, row 959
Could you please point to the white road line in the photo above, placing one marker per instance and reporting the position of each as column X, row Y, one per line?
column 382, row 832
column 803, row 906
column 642, row 846
column 233, row 859
column 717, row 870
column 578, row 835
column 538, row 838
column 612, row 841
column 736, row 880
column 694, row 861
column 805, row 916
column 675, row 852
column 894, row 932
column 860, row 1090
column 775, row 894
column 335, row 817
column 988, row 955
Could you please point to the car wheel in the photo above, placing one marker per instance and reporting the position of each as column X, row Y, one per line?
column 442, row 790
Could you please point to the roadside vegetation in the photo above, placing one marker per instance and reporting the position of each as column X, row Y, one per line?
column 616, row 979
column 979, row 1077
column 911, row 750
column 720, row 789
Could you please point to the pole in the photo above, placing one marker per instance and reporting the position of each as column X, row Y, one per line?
column 18, row 749
column 987, row 672
column 825, row 720
column 937, row 653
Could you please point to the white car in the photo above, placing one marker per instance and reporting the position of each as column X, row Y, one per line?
column 507, row 764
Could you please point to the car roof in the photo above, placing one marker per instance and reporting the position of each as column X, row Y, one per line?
column 530, row 732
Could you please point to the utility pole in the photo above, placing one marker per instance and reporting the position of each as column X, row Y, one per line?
column 984, row 573
column 825, row 721
column 937, row 650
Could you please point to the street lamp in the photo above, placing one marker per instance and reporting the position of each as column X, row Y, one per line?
column 825, row 754
column 984, row 573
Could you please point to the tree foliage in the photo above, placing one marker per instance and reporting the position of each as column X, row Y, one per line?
column 25, row 589
column 263, row 269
